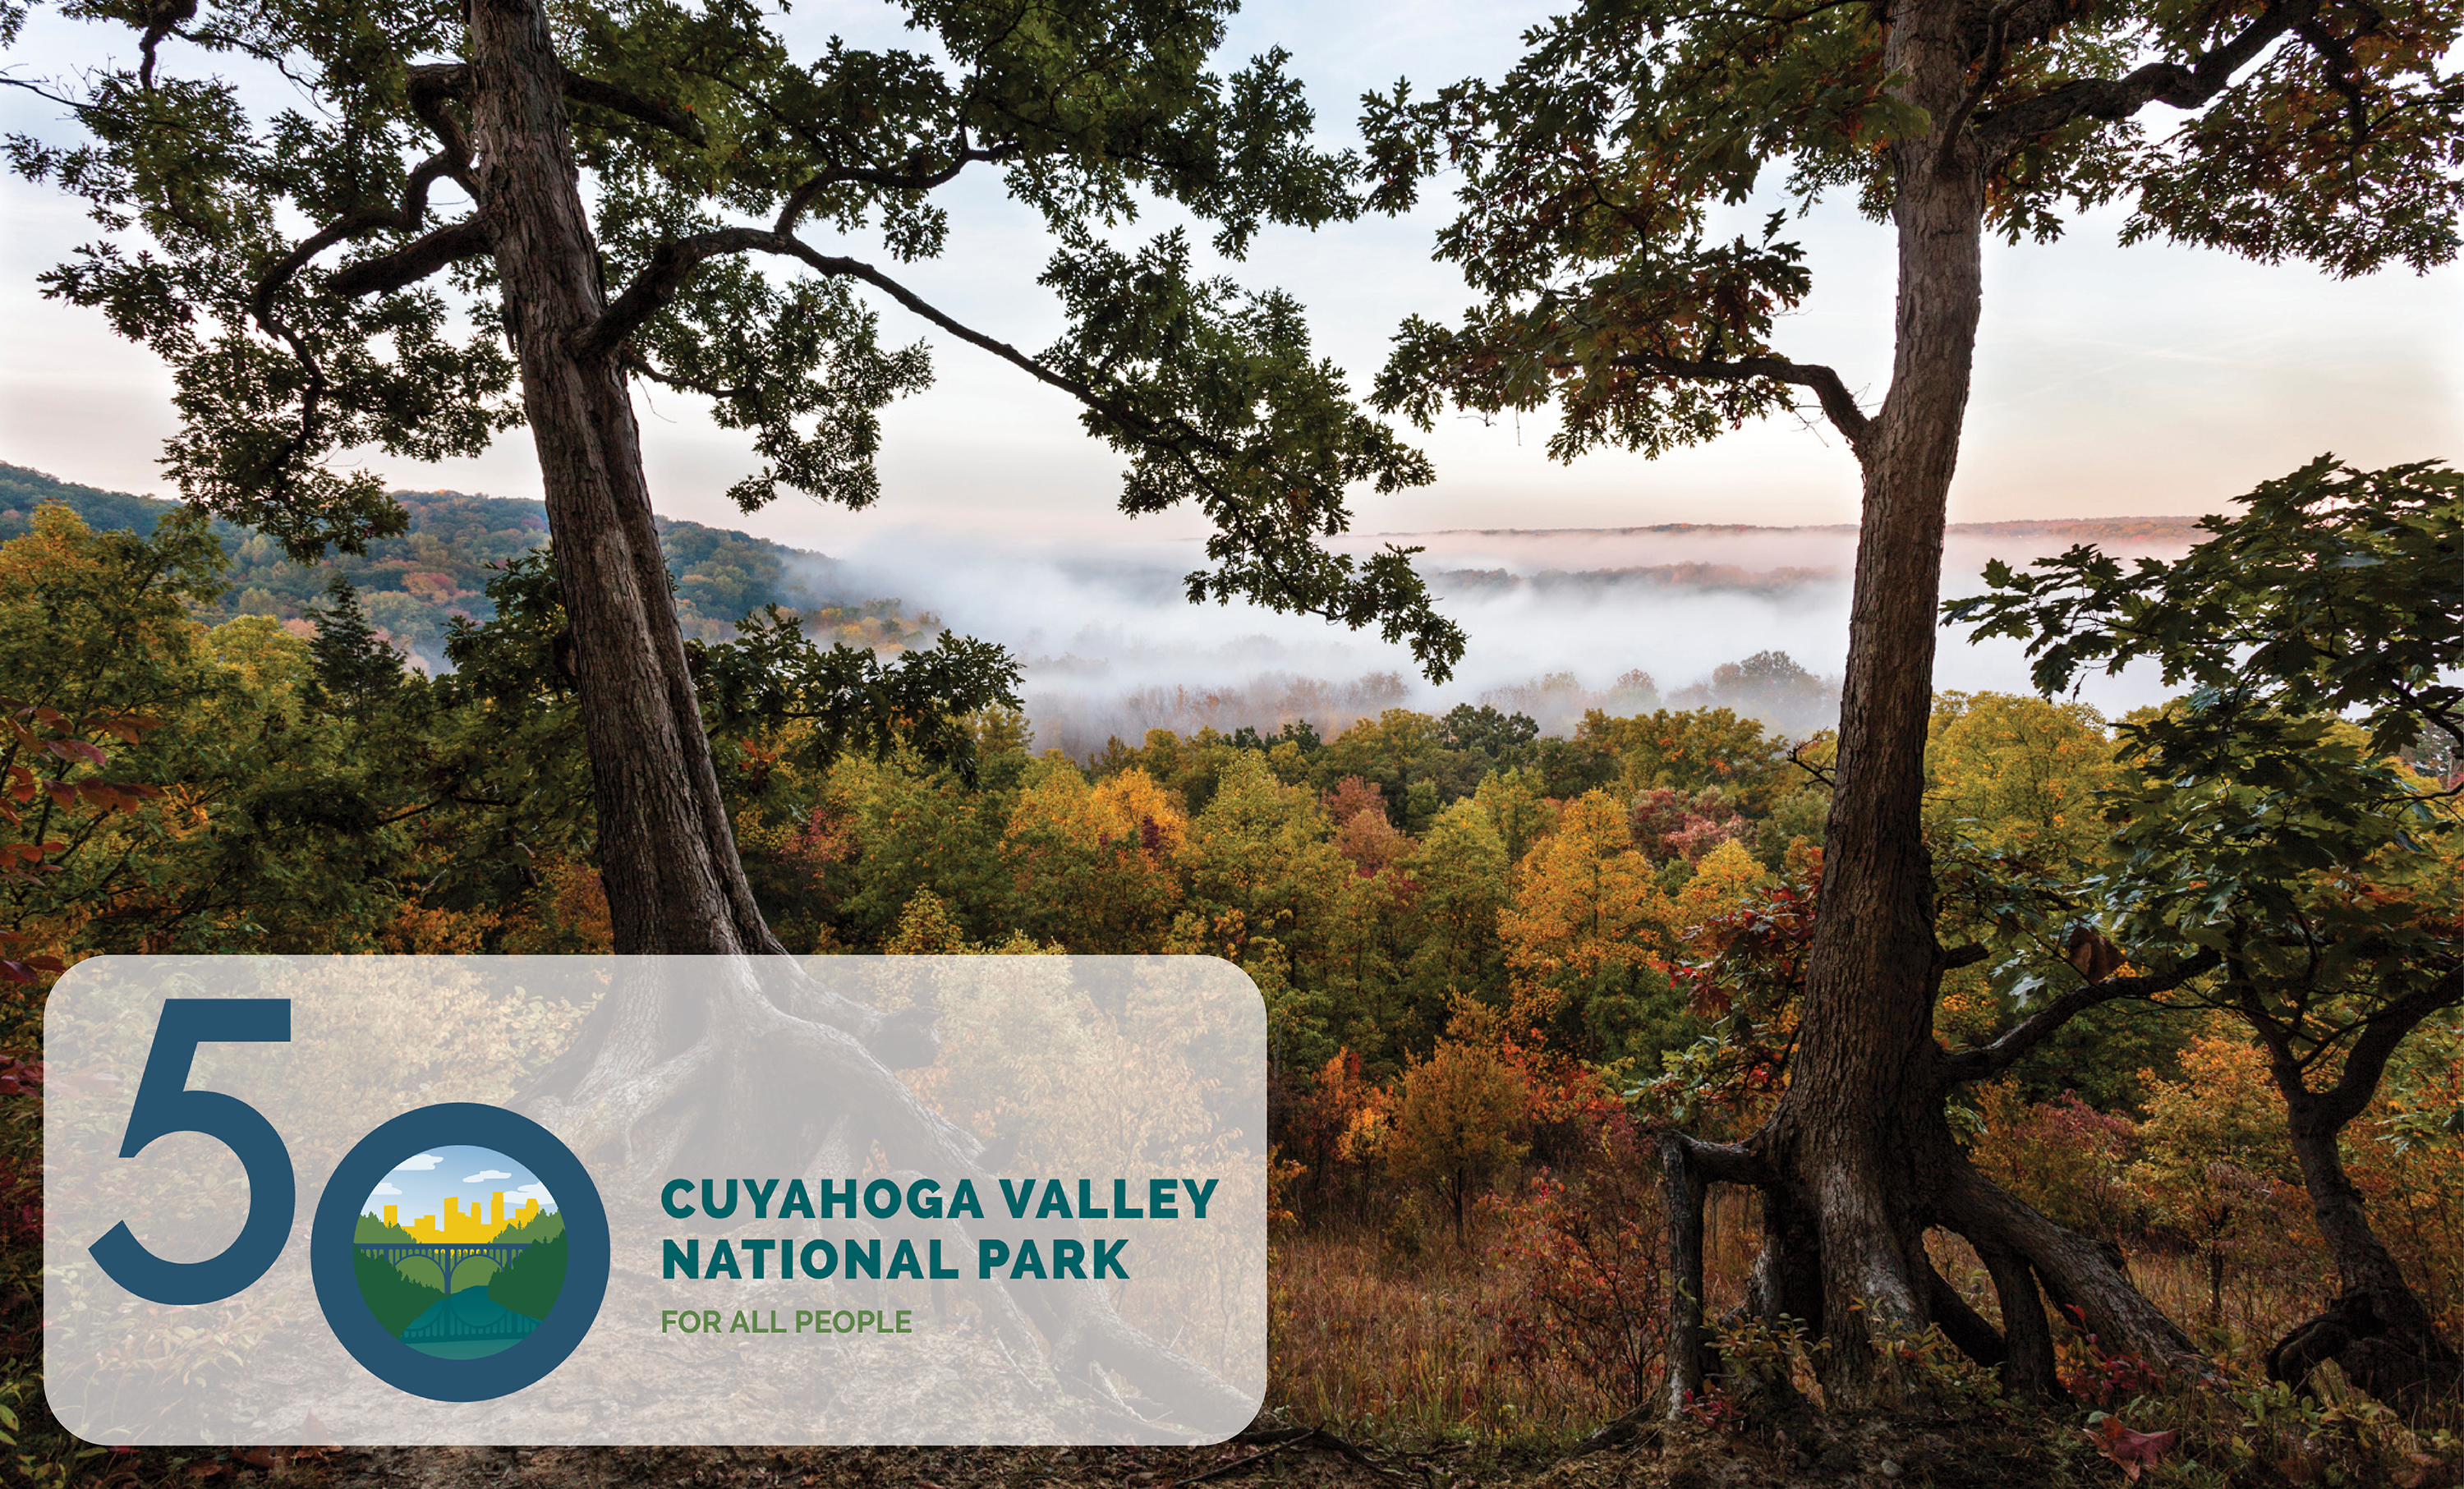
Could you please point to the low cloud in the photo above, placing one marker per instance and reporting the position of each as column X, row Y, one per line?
column 384, row 1189
column 1558, row 621
column 485, row 1175
column 420, row 1164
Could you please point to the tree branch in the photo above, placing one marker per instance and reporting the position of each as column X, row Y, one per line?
column 1983, row 1062
column 632, row 105
column 1997, row 33
column 414, row 261
column 2180, row 85
column 1720, row 1163
column 673, row 263
column 452, row 79
column 1168, row 435
column 2381, row 1033
column 1837, row 405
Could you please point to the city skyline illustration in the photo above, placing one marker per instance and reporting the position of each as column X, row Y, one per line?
column 458, row 1194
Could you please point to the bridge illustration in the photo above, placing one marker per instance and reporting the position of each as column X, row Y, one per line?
column 446, row 1255
column 444, row 1325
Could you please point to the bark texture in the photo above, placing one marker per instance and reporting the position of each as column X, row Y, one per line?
column 648, row 1062
column 1859, row 1161
column 667, row 859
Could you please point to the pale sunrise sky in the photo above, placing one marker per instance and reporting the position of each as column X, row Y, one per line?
column 2110, row 382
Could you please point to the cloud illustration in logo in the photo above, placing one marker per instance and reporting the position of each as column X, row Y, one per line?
column 537, row 1192
column 419, row 1163
column 384, row 1189
column 485, row 1175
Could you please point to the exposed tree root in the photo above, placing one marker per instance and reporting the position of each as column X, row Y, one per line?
column 2403, row 1364
column 649, row 1060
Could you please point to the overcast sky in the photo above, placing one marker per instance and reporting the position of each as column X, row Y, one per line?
column 2110, row 382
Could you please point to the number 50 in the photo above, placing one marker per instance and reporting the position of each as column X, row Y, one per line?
column 165, row 1104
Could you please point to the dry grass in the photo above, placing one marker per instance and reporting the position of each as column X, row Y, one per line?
column 1398, row 1348
column 1397, row 1345
column 1420, row 1343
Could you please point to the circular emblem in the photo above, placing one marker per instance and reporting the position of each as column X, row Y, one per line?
column 460, row 1252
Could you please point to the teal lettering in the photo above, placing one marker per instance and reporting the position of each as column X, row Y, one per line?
column 1054, row 1203
column 1198, row 1198
column 671, row 1259
column 924, row 1198
column 668, row 1199
column 887, row 1208
column 1087, row 1201
column 865, row 1258
column 1121, row 1201
column 831, row 1199
column 1027, row 1259
column 963, row 1201
column 829, row 1258
column 937, row 1270
column 758, row 1250
column 905, row 1256
column 710, row 1207
column 722, row 1254
column 1069, row 1259
column 1017, row 1198
column 797, row 1202
column 990, row 1253
column 761, row 1194
column 1161, row 1197
column 1110, row 1256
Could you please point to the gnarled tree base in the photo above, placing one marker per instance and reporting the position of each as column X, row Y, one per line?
column 2406, row 1367
column 2031, row 1259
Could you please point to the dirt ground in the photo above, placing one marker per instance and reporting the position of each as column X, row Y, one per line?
column 1896, row 1454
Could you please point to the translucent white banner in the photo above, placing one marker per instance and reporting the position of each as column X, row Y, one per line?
column 624, row 1200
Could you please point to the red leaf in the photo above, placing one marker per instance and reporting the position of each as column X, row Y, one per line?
column 2136, row 1451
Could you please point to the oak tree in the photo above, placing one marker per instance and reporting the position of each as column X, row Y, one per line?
column 446, row 220
column 2271, row 829
column 1595, row 179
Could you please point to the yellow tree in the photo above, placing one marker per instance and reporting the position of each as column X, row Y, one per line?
column 1723, row 880
column 1588, row 936
column 1521, row 815
column 1461, row 870
column 1093, row 865
column 2017, row 776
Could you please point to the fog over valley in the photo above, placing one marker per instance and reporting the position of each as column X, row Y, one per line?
column 1559, row 621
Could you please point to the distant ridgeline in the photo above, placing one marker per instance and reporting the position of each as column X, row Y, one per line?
column 413, row 584
column 2017, row 541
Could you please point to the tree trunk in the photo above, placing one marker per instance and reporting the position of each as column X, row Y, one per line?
column 1859, row 1160
column 666, row 854
column 2376, row 1329
column 1860, row 1134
